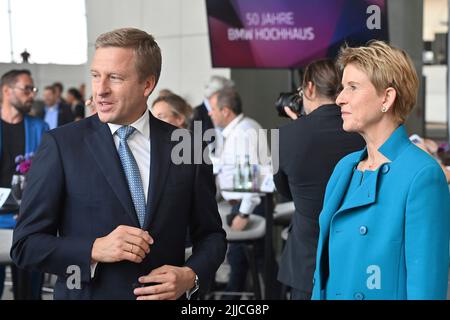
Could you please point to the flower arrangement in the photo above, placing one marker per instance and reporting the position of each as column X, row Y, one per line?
column 23, row 163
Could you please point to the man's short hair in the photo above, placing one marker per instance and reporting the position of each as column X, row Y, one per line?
column 147, row 51
column 229, row 98
column 10, row 77
column 50, row 88
column 217, row 83
column 59, row 86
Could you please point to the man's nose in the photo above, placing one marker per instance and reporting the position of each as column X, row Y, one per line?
column 103, row 87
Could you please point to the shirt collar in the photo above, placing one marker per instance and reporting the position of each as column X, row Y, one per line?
column 230, row 127
column 141, row 125
column 207, row 105
column 51, row 108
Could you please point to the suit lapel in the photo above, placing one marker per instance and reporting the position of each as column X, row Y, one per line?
column 101, row 144
column 160, row 150
column 60, row 116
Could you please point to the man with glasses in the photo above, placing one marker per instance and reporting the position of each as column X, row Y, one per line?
column 19, row 134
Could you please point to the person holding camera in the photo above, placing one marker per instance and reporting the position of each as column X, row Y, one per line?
column 310, row 147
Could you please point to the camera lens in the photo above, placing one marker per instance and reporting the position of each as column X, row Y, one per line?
column 291, row 100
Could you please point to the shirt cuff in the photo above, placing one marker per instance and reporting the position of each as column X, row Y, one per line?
column 249, row 203
column 190, row 292
column 93, row 267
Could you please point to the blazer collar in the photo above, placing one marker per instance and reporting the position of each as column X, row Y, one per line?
column 160, row 151
column 367, row 193
column 393, row 146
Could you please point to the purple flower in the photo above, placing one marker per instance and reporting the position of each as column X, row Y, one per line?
column 24, row 166
column 23, row 163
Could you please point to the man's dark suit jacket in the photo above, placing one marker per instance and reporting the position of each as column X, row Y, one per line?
column 77, row 192
column 65, row 114
column 310, row 147
column 200, row 113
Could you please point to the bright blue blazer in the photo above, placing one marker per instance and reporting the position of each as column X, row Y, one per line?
column 390, row 238
column 34, row 129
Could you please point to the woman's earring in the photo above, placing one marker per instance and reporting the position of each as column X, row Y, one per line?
column 384, row 109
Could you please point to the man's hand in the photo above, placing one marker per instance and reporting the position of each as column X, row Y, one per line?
column 124, row 243
column 239, row 223
column 172, row 283
column 291, row 113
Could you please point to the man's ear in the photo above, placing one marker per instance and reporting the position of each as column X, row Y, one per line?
column 226, row 111
column 5, row 90
column 149, row 85
column 389, row 97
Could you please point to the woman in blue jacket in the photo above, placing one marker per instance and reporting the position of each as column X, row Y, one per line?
column 384, row 226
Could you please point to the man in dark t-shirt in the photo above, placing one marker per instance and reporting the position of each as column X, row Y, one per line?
column 19, row 134
column 13, row 144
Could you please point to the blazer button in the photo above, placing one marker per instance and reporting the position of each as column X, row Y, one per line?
column 363, row 230
column 385, row 169
column 358, row 296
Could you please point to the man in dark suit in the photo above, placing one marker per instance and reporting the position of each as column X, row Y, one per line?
column 55, row 112
column 105, row 207
column 309, row 149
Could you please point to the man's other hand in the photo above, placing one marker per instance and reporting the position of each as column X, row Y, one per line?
column 171, row 283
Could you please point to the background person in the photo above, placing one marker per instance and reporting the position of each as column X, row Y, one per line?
column 20, row 134
column 172, row 109
column 75, row 100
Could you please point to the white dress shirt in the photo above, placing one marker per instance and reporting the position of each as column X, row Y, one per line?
column 241, row 138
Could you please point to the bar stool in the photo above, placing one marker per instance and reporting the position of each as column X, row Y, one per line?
column 6, row 236
column 283, row 213
column 255, row 230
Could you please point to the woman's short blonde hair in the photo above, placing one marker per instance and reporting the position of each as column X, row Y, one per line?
column 386, row 67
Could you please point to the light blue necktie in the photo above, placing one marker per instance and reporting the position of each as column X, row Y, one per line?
column 132, row 173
